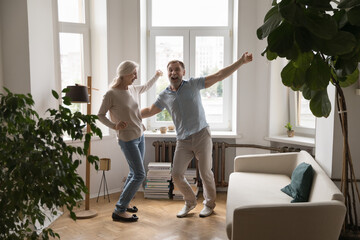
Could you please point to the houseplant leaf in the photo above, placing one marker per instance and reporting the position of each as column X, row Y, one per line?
column 281, row 41
column 322, row 26
column 344, row 67
column 323, row 5
column 348, row 3
column 293, row 77
column 354, row 16
column 350, row 79
column 342, row 43
column 320, row 104
column 318, row 74
column 303, row 39
column 271, row 21
column 292, row 12
column 304, row 60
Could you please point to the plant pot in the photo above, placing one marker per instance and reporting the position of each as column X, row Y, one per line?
column 290, row 133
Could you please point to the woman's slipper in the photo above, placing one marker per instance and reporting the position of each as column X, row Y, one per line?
column 132, row 209
column 116, row 217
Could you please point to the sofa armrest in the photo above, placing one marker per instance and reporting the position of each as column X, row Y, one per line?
column 278, row 163
column 317, row 220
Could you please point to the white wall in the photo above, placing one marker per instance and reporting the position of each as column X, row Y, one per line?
column 353, row 103
column 42, row 54
column 15, row 45
column 324, row 137
column 252, row 79
column 278, row 101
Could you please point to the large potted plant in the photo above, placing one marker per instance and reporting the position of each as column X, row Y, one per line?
column 321, row 41
column 38, row 169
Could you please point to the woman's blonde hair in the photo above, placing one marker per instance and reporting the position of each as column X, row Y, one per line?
column 124, row 68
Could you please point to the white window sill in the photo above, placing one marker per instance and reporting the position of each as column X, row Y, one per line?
column 96, row 138
column 214, row 134
column 297, row 140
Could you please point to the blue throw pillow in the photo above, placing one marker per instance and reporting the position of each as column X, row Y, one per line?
column 301, row 181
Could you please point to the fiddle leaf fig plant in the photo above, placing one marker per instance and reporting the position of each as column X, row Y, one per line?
column 321, row 41
column 38, row 168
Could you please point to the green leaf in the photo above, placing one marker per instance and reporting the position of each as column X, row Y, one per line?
column 307, row 92
column 292, row 77
column 350, row 79
column 65, row 90
column 341, row 18
column 271, row 55
column 304, row 60
column 348, row 3
column 320, row 104
column 318, row 4
column 303, row 39
column 73, row 215
column 341, row 43
column 354, row 16
column 318, row 74
column 292, row 12
column 55, row 94
column 344, row 67
column 281, row 40
column 322, row 26
column 67, row 101
column 271, row 22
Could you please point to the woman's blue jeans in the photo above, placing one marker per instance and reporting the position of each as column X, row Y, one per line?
column 134, row 151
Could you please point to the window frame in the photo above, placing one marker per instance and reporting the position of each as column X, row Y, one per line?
column 294, row 112
column 189, row 36
column 84, row 30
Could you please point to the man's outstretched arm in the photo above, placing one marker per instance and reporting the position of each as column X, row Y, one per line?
column 227, row 71
column 150, row 111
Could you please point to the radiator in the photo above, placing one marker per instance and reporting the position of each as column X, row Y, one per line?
column 164, row 152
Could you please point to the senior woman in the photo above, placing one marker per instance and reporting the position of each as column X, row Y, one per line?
column 122, row 102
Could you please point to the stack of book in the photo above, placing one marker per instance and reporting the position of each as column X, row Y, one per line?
column 190, row 176
column 158, row 181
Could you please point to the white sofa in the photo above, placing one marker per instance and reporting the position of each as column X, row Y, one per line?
column 257, row 209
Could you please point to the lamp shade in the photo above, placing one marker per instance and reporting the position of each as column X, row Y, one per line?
column 78, row 94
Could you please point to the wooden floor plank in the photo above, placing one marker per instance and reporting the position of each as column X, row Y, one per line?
column 157, row 221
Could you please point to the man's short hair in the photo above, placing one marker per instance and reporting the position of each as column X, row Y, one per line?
column 176, row 61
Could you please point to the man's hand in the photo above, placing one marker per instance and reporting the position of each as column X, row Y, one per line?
column 227, row 71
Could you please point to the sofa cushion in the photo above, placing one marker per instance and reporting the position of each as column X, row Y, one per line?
column 301, row 181
column 249, row 189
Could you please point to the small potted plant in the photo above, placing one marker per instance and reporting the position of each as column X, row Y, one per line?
column 290, row 131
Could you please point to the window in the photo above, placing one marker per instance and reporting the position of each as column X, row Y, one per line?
column 74, row 45
column 202, row 42
column 301, row 117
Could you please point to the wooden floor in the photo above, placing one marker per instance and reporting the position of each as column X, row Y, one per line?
column 157, row 220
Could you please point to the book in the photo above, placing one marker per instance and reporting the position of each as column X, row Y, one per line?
column 158, row 181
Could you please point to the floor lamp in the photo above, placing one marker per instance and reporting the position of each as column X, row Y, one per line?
column 82, row 94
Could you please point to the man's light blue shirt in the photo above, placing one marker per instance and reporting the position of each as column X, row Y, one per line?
column 185, row 107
